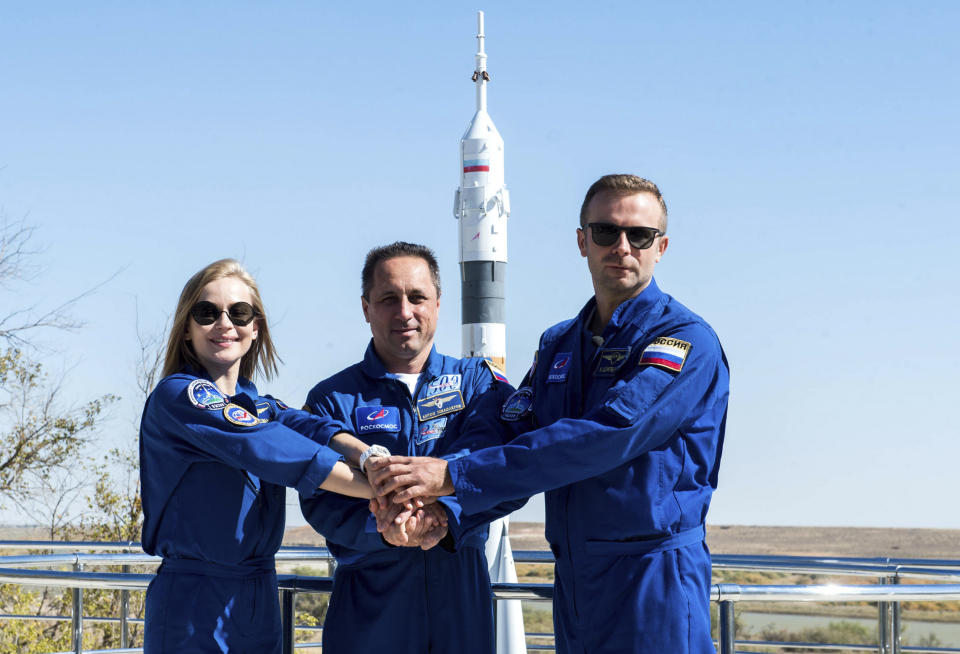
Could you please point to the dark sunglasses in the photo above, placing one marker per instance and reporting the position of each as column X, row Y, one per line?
column 605, row 235
column 206, row 313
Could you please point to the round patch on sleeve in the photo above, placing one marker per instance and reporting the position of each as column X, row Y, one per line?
column 239, row 416
column 517, row 405
column 204, row 395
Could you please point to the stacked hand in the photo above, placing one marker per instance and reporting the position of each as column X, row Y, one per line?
column 408, row 477
column 405, row 506
column 424, row 525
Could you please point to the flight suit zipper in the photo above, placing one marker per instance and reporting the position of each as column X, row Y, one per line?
column 248, row 480
column 414, row 416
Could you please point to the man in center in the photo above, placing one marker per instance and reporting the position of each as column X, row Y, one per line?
column 423, row 585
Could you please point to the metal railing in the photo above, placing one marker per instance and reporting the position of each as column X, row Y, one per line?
column 888, row 594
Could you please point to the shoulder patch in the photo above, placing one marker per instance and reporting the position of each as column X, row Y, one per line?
column 204, row 395
column 495, row 371
column 236, row 414
column 559, row 368
column 610, row 360
column 518, row 405
column 665, row 352
column 443, row 383
column 280, row 405
column 438, row 405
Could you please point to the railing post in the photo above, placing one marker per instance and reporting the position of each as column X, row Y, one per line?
column 496, row 647
column 895, row 621
column 124, row 614
column 883, row 609
column 78, row 614
column 288, row 618
column 727, row 627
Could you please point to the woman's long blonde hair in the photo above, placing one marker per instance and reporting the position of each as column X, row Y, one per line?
column 261, row 355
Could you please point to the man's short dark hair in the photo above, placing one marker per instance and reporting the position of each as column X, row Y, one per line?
column 623, row 185
column 397, row 249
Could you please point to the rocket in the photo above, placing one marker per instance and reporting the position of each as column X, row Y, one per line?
column 482, row 206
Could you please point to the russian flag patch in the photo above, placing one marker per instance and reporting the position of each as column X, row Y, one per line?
column 499, row 376
column 665, row 352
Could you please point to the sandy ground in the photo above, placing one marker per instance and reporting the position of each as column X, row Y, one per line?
column 722, row 539
column 740, row 539
column 836, row 541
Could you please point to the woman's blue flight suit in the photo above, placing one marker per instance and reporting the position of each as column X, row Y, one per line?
column 213, row 470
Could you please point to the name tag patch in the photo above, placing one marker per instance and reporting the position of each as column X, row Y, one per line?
column 665, row 352
column 559, row 368
column 204, row 395
column 610, row 360
column 432, row 429
column 517, row 405
column 239, row 416
column 262, row 407
column 377, row 418
column 438, row 405
column 443, row 384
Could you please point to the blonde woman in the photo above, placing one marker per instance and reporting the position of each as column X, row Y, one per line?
column 215, row 458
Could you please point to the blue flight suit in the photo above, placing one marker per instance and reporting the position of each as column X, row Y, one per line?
column 404, row 599
column 213, row 470
column 627, row 442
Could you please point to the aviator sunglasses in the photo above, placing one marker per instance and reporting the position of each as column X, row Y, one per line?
column 206, row 313
column 605, row 235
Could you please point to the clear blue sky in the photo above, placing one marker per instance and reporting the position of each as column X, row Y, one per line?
column 808, row 153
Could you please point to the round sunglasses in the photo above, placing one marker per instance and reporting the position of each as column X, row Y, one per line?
column 605, row 235
column 206, row 313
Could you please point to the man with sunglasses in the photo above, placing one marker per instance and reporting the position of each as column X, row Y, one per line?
column 626, row 405
column 421, row 586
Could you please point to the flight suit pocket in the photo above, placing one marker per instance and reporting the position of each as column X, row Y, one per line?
column 629, row 400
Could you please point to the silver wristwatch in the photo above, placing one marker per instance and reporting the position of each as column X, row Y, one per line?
column 373, row 450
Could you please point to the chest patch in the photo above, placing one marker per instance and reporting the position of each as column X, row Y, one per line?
column 377, row 418
column 432, row 429
column 610, row 360
column 665, row 352
column 559, row 368
column 204, row 395
column 237, row 415
column 443, row 384
column 517, row 405
column 438, row 405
